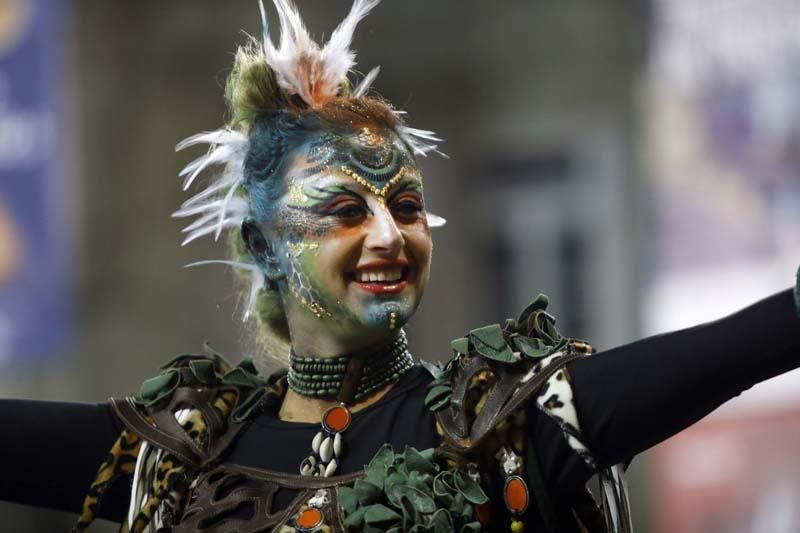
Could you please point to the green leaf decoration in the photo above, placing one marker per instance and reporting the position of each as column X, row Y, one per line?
column 355, row 519
column 248, row 366
column 416, row 495
column 348, row 499
column 367, row 492
column 433, row 369
column 441, row 522
column 410, row 515
column 469, row 488
column 378, row 513
column 530, row 347
column 539, row 304
column 245, row 409
column 423, row 503
column 182, row 360
column 203, row 370
column 490, row 343
column 156, row 389
column 437, row 393
column 376, row 469
column 460, row 345
column 491, row 336
column 418, row 463
column 471, row 527
column 439, row 405
column 443, row 484
column 241, row 378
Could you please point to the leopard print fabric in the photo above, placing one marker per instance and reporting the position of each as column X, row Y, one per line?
column 119, row 461
column 557, row 401
column 170, row 482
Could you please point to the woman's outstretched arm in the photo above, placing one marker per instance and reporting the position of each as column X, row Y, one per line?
column 635, row 396
column 50, row 452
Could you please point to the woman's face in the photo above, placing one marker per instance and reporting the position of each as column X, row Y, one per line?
column 350, row 232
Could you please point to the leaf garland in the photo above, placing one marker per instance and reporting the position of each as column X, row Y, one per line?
column 209, row 370
column 532, row 336
column 409, row 492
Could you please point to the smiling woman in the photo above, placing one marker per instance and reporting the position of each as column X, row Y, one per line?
column 324, row 198
column 347, row 241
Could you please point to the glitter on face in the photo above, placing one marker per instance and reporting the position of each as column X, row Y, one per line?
column 344, row 192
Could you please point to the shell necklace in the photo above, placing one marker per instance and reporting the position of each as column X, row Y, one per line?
column 348, row 378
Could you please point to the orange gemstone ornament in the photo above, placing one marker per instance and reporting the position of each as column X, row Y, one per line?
column 309, row 520
column 336, row 419
column 327, row 446
column 516, row 495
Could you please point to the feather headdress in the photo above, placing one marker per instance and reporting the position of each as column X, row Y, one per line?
column 296, row 68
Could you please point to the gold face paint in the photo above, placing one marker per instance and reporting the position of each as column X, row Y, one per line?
column 352, row 231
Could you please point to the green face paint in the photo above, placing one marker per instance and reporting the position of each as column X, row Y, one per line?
column 350, row 231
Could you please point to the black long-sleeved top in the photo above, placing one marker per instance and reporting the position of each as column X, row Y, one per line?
column 628, row 399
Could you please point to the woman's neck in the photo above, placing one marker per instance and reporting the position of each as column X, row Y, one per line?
column 357, row 379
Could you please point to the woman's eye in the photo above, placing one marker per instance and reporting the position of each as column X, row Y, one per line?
column 351, row 210
column 407, row 207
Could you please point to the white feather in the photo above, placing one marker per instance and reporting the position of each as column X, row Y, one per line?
column 228, row 137
column 216, row 205
column 257, row 280
column 366, row 83
column 301, row 67
column 435, row 221
column 422, row 142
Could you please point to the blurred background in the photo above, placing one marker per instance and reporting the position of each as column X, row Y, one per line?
column 639, row 162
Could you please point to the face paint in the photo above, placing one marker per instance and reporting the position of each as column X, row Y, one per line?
column 351, row 232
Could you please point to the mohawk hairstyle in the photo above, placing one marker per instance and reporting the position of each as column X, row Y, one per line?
column 252, row 90
column 299, row 78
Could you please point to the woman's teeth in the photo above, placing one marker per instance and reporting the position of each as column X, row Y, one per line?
column 388, row 275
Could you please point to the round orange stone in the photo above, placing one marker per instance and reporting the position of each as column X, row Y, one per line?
column 336, row 418
column 309, row 519
column 515, row 494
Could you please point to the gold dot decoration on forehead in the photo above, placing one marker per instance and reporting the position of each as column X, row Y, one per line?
column 379, row 192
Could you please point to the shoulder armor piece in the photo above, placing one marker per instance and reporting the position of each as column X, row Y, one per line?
column 197, row 405
column 494, row 371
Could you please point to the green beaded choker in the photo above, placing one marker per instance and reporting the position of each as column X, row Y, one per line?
column 323, row 377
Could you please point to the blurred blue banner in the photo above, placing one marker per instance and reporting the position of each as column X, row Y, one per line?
column 35, row 267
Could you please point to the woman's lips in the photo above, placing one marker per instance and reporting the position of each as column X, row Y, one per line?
column 393, row 287
column 382, row 269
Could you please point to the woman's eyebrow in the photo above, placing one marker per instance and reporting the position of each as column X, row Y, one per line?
column 413, row 184
column 325, row 192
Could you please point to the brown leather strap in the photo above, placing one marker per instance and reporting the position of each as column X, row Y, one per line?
column 352, row 377
column 507, row 383
column 456, row 423
column 159, row 426
column 232, row 498
column 506, row 396
column 530, row 387
column 293, row 481
column 136, row 422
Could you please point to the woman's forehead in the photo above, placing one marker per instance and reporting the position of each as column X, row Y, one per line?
column 338, row 181
column 374, row 159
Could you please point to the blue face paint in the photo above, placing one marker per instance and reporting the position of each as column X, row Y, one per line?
column 320, row 190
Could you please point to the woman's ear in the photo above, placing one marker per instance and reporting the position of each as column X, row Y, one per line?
column 260, row 250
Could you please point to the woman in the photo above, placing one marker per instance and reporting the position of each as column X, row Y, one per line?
column 322, row 184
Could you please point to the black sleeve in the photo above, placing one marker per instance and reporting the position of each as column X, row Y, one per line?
column 635, row 396
column 50, row 452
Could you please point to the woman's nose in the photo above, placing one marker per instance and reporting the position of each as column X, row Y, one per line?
column 383, row 235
